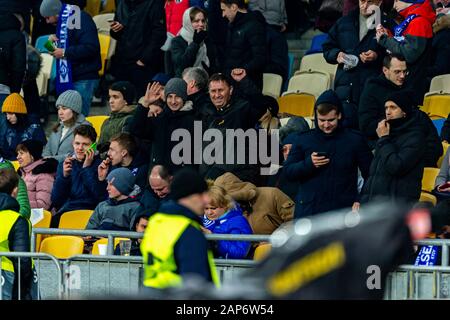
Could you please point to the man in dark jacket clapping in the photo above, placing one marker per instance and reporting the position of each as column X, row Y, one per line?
column 325, row 161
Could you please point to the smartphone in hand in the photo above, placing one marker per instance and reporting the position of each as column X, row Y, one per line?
column 322, row 154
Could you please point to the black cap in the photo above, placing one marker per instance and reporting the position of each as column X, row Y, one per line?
column 187, row 182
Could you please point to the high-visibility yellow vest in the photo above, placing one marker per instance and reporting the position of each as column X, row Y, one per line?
column 7, row 220
column 161, row 235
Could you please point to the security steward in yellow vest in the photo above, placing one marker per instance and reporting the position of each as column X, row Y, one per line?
column 14, row 236
column 174, row 246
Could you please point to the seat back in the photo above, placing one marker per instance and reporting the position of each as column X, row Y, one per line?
column 272, row 84
column 44, row 75
column 316, row 62
column 445, row 147
column 93, row 7
column 429, row 178
column 108, row 6
column 301, row 104
column 261, row 251
column 440, row 84
column 102, row 24
column 15, row 164
column 312, row 82
column 105, row 41
column 44, row 223
column 76, row 219
column 97, row 122
column 437, row 105
column 62, row 247
column 40, row 42
column 95, row 250
column 427, row 197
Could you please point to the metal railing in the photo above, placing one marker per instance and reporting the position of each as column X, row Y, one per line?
column 32, row 255
column 134, row 235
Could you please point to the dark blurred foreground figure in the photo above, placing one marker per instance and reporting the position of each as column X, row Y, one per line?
column 329, row 256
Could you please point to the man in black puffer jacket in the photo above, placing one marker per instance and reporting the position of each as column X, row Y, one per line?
column 140, row 30
column 397, row 169
column 246, row 41
column 371, row 110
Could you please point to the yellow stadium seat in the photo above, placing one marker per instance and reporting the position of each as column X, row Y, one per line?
column 76, row 219
column 95, row 250
column 445, row 147
column 44, row 223
column 62, row 247
column 316, row 62
column 312, row 82
column 427, row 197
column 301, row 105
column 272, row 84
column 15, row 164
column 109, row 6
column 105, row 41
column 437, row 105
column 429, row 178
column 261, row 251
column 97, row 122
column 93, row 7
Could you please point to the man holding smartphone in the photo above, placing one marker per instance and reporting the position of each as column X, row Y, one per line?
column 325, row 161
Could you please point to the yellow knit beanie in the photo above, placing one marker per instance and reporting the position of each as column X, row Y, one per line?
column 14, row 103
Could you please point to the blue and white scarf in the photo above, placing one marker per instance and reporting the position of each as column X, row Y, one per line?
column 427, row 256
column 398, row 30
column 63, row 66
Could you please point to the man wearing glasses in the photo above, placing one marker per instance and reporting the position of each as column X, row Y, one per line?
column 412, row 39
column 372, row 107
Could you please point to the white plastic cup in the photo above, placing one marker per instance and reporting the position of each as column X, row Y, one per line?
column 102, row 249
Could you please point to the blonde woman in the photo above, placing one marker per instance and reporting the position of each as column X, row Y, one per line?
column 224, row 216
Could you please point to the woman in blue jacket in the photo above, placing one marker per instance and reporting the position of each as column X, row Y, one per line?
column 223, row 216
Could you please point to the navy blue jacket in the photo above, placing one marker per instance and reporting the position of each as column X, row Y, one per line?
column 191, row 249
column 150, row 202
column 83, row 51
column 232, row 222
column 344, row 36
column 79, row 190
column 333, row 186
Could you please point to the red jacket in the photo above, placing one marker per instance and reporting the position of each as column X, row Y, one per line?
column 174, row 14
column 421, row 26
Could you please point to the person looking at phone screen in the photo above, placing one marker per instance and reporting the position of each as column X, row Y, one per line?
column 397, row 169
column 76, row 186
column 325, row 161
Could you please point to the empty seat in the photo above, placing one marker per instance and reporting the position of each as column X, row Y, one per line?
column 316, row 62
column 97, row 122
column 311, row 82
column 272, row 84
column 76, row 219
column 105, row 41
column 62, row 247
column 437, row 105
column 428, row 197
column 429, row 178
column 440, row 84
column 262, row 251
column 297, row 104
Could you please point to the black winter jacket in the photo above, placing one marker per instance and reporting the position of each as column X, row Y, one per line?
column 12, row 52
column 344, row 36
column 397, row 169
column 371, row 112
column 246, row 47
column 184, row 55
column 158, row 130
column 143, row 34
